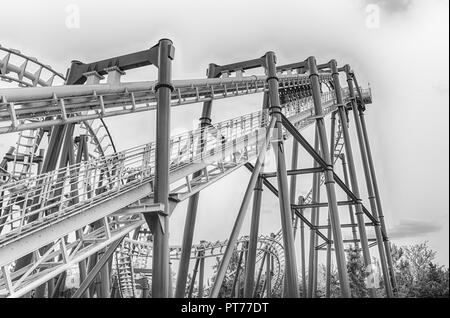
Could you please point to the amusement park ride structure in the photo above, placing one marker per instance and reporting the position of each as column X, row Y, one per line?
column 69, row 198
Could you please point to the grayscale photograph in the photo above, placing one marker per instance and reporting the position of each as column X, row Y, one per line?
column 240, row 151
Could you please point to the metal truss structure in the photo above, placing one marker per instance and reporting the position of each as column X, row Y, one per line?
column 69, row 200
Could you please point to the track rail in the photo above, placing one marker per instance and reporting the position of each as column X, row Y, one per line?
column 51, row 106
column 135, row 254
column 23, row 75
column 130, row 179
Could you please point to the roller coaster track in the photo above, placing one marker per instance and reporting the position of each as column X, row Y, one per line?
column 25, row 154
column 131, row 252
column 130, row 172
column 139, row 250
column 84, row 208
column 23, row 75
column 105, row 100
column 134, row 254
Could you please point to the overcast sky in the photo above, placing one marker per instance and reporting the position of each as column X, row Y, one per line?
column 404, row 57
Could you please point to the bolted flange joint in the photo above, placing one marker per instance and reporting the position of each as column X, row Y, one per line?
column 168, row 85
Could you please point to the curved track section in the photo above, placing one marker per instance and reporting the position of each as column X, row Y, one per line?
column 135, row 256
column 24, row 70
column 24, row 159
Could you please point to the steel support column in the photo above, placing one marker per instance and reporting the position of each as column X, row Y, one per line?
column 313, row 239
column 370, row 191
column 293, row 185
column 329, row 232
column 234, row 292
column 105, row 285
column 350, row 207
column 194, row 275
column 352, row 169
column 191, row 215
column 170, row 280
column 249, row 280
column 332, row 134
column 159, row 222
column 283, row 190
column 301, row 200
column 387, row 245
column 328, row 262
column 201, row 275
column 241, row 215
column 258, row 278
column 82, row 265
column 268, row 276
column 293, row 188
column 329, row 180
column 253, row 240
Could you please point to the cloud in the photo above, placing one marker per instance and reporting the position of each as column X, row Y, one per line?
column 392, row 6
column 413, row 228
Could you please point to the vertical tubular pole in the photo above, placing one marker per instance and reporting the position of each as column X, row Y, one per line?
column 329, row 234
column 170, row 281
column 301, row 200
column 201, row 276
column 293, row 188
column 294, row 164
column 268, row 276
column 235, row 293
column 249, row 281
column 83, row 263
column 283, row 196
column 328, row 277
column 241, row 215
column 250, row 266
column 194, row 276
column 105, row 283
column 332, row 134
column 314, row 221
column 191, row 215
column 258, row 279
column 350, row 207
column 253, row 240
column 295, row 225
column 159, row 224
column 387, row 245
column 352, row 170
column 186, row 246
column 370, row 191
column 329, row 181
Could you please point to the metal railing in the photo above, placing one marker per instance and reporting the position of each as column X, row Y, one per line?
column 74, row 103
column 31, row 203
column 106, row 188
